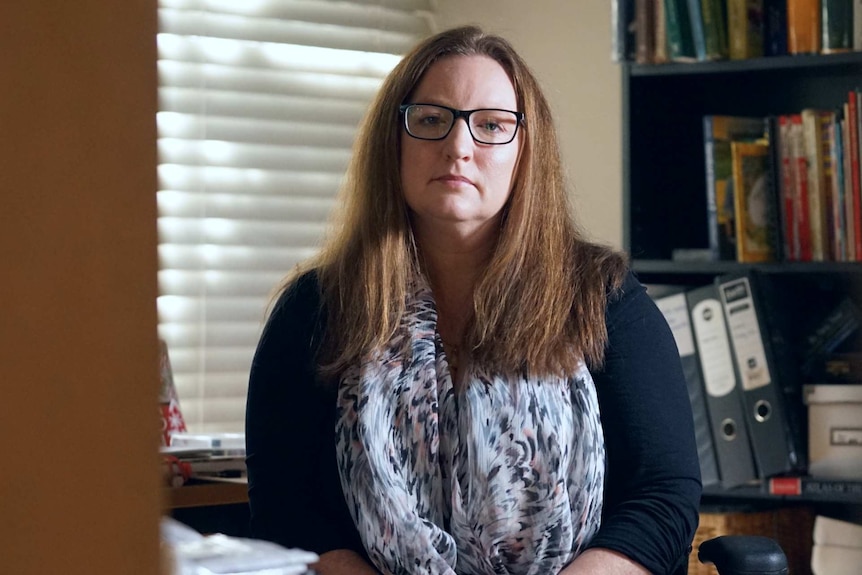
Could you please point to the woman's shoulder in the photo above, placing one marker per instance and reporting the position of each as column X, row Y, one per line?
column 300, row 290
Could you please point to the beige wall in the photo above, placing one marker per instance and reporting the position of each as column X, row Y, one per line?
column 79, row 485
column 568, row 45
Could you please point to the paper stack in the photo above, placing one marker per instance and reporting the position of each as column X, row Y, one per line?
column 204, row 456
column 190, row 553
column 837, row 547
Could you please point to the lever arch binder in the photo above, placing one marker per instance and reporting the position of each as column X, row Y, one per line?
column 727, row 419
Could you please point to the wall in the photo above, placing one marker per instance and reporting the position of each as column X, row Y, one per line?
column 568, row 45
column 79, row 489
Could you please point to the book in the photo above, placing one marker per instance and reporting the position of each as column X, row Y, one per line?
column 745, row 28
column 718, row 133
column 783, row 155
column 169, row 403
column 813, row 487
column 698, row 38
column 680, row 45
column 769, row 386
column 803, row 26
column 774, row 27
column 849, row 231
column 842, row 321
column 812, row 130
column 721, row 386
column 623, row 30
column 714, row 29
column 644, row 32
column 660, row 29
column 801, row 205
column 836, row 24
column 853, row 206
column 857, row 25
column 836, row 367
column 752, row 202
column 675, row 310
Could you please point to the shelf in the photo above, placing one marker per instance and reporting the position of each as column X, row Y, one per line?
column 668, row 267
column 743, row 66
column 806, row 490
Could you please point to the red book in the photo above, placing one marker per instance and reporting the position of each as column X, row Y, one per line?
column 800, row 173
column 786, row 193
column 169, row 403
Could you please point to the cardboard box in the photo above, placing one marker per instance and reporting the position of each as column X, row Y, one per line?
column 834, row 430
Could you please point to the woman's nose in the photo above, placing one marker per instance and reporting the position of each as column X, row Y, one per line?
column 459, row 142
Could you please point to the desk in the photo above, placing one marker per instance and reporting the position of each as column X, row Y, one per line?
column 207, row 494
column 211, row 506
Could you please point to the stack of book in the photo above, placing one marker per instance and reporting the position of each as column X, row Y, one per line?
column 659, row 31
column 204, row 456
column 744, row 375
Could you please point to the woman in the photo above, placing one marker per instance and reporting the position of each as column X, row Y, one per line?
column 461, row 383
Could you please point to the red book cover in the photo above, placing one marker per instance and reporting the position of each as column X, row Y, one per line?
column 791, row 233
column 801, row 198
column 785, row 486
column 169, row 403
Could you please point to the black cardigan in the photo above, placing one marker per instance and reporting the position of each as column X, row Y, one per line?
column 652, row 487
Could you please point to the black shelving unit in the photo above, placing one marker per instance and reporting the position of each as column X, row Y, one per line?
column 664, row 184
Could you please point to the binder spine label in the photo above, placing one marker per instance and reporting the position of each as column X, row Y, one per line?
column 745, row 333
column 719, row 378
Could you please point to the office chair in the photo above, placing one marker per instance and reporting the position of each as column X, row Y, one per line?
column 743, row 555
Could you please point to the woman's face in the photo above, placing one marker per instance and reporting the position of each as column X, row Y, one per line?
column 457, row 180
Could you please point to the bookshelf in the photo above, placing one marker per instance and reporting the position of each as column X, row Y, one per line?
column 664, row 189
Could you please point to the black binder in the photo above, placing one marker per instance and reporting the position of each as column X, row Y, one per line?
column 767, row 399
column 723, row 401
column 675, row 310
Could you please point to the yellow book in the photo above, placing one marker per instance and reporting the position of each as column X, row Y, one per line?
column 752, row 202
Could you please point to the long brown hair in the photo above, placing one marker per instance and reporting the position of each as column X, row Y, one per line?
column 539, row 304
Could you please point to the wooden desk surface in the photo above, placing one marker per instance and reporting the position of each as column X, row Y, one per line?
column 206, row 494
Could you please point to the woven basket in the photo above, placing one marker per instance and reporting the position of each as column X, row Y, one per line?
column 791, row 527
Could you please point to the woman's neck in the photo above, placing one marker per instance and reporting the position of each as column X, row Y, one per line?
column 453, row 267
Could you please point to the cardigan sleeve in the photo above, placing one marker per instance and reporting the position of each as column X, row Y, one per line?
column 294, row 489
column 653, row 487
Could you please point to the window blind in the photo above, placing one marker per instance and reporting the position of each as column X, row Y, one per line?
column 259, row 101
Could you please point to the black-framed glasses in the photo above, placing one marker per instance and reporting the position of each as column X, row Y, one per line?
column 487, row 125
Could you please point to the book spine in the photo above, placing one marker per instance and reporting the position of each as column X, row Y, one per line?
column 796, row 486
column 803, row 26
column 836, row 17
column 828, row 174
column 622, row 25
column 715, row 29
column 745, row 28
column 857, row 25
column 856, row 160
column 712, row 224
column 814, row 161
column 837, row 160
column 775, row 27
column 680, row 47
column 644, row 32
column 790, row 235
column 659, row 24
column 698, row 36
column 801, row 207
column 849, row 235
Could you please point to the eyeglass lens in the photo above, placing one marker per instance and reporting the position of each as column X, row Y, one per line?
column 429, row 122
